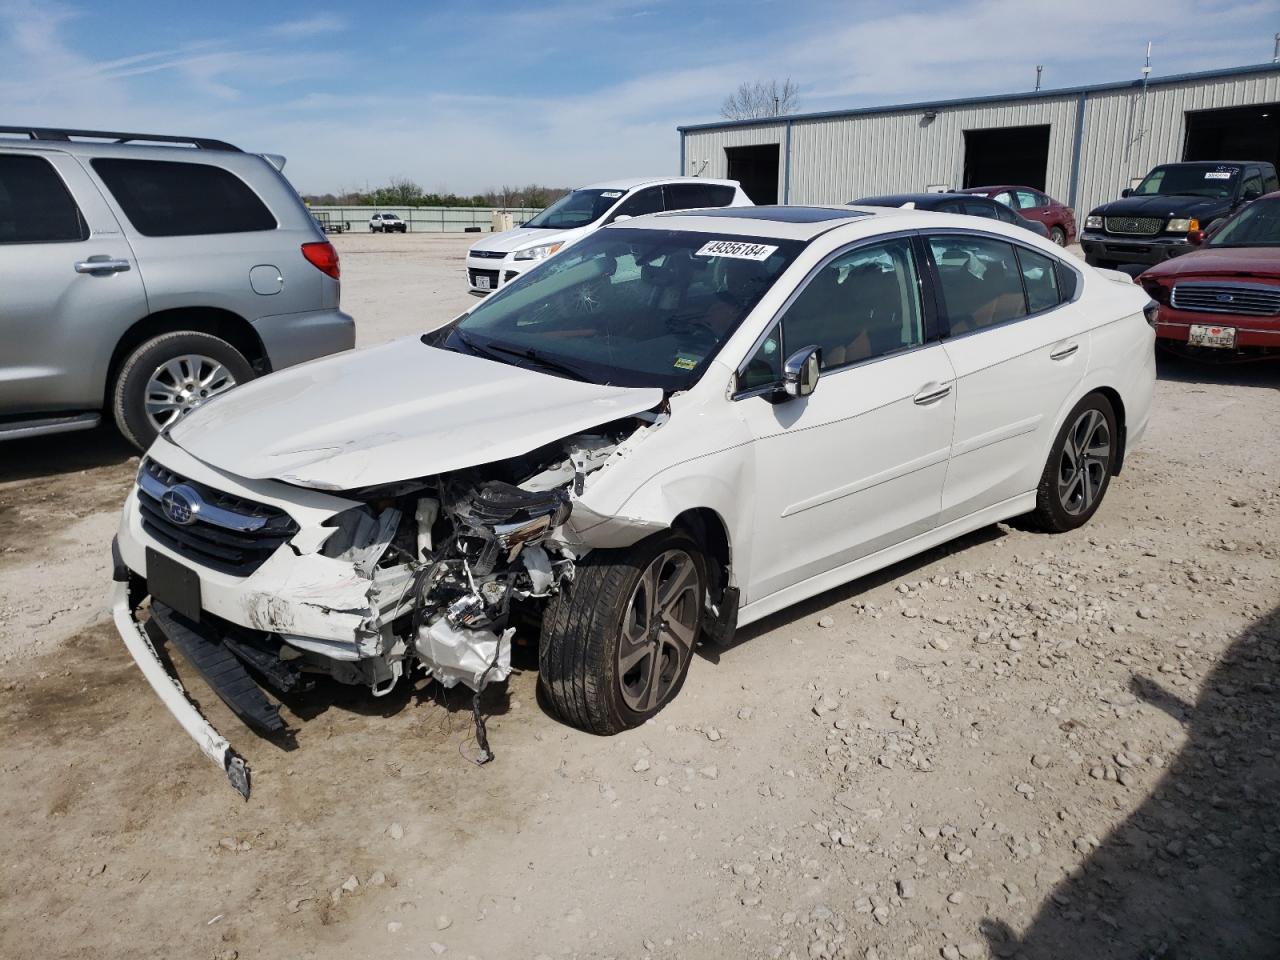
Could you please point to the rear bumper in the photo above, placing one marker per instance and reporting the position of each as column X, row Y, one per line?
column 291, row 338
column 1125, row 250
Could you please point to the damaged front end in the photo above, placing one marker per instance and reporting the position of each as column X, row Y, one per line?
column 427, row 577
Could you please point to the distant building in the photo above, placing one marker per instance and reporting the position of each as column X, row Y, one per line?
column 1082, row 145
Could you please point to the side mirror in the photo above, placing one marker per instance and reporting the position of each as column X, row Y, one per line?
column 800, row 372
column 1250, row 195
column 620, row 217
column 1125, row 192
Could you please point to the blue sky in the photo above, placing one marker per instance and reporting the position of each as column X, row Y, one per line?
column 463, row 96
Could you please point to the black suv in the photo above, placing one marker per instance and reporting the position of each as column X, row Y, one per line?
column 1151, row 223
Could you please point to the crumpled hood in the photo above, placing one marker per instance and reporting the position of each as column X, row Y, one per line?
column 394, row 412
column 521, row 237
column 1203, row 208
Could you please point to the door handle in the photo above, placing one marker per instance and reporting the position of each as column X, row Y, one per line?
column 1065, row 351
column 931, row 392
column 101, row 265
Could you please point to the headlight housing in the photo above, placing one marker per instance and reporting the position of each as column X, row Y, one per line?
column 538, row 253
column 1093, row 222
column 1182, row 225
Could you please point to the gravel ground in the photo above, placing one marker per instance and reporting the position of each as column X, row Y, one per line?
column 1018, row 745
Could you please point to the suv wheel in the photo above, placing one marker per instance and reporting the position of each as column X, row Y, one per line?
column 1079, row 469
column 618, row 639
column 1058, row 236
column 168, row 376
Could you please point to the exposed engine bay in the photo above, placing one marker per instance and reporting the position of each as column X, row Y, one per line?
column 445, row 565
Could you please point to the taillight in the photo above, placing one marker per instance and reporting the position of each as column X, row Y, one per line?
column 323, row 257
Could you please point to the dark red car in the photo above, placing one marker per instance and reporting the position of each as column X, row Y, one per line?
column 1222, row 300
column 1058, row 218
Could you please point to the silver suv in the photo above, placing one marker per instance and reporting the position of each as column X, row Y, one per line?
column 144, row 275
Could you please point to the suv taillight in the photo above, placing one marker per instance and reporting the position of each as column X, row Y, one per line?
column 323, row 257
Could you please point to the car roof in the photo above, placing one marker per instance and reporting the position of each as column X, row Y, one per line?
column 996, row 188
column 630, row 183
column 783, row 222
column 1213, row 163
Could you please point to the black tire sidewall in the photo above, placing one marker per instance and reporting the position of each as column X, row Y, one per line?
column 130, row 386
column 1054, row 233
column 1049, row 507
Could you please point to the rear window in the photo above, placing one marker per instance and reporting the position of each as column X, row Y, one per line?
column 35, row 206
column 164, row 198
column 690, row 196
column 1040, row 277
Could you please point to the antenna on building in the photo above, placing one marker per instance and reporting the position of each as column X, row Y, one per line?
column 1146, row 69
column 1275, row 53
column 1039, row 70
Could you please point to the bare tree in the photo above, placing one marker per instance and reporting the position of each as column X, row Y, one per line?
column 764, row 98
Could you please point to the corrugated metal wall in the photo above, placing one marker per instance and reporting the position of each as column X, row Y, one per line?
column 1120, row 146
column 836, row 159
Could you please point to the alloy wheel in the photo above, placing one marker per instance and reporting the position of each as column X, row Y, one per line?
column 1086, row 455
column 180, row 385
column 659, row 626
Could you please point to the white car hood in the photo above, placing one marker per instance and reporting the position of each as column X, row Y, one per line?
column 394, row 412
column 520, row 237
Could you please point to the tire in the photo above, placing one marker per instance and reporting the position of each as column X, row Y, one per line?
column 582, row 671
column 1067, row 495
column 146, row 368
column 1058, row 236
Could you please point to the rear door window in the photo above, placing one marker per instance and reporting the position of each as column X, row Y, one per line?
column 35, row 205
column 691, row 196
column 1004, row 197
column 977, row 208
column 979, row 280
column 164, row 198
column 1040, row 279
column 648, row 200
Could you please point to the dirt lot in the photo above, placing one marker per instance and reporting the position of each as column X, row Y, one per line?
column 1017, row 746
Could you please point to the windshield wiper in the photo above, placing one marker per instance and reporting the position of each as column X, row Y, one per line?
column 497, row 352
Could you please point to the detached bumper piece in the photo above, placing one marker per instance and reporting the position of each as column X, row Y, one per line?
column 205, row 650
column 170, row 691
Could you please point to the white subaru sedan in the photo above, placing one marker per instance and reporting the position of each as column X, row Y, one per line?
column 682, row 424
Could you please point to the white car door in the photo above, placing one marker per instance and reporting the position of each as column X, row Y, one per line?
column 1019, row 346
column 859, row 464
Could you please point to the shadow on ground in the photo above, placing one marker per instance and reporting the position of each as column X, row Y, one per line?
column 1240, row 373
column 1194, row 873
column 61, row 453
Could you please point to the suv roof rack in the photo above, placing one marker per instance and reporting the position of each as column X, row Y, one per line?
column 64, row 134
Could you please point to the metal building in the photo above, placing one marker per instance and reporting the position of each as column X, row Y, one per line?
column 1082, row 145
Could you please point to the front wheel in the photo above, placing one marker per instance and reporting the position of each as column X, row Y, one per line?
column 1079, row 469
column 168, row 376
column 618, row 639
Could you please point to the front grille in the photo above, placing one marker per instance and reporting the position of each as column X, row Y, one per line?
column 1242, row 299
column 235, row 551
column 1134, row 226
column 488, row 254
column 491, row 274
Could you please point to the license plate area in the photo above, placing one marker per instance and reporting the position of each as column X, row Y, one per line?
column 174, row 585
column 482, row 282
column 1206, row 335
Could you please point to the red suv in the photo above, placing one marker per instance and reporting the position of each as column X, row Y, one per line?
column 1222, row 301
column 1058, row 218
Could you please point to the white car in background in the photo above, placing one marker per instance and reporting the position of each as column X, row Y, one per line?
column 387, row 223
column 684, row 423
column 497, row 260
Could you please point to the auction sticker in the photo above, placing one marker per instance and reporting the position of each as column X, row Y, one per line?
column 736, row 249
column 611, row 194
column 1218, row 175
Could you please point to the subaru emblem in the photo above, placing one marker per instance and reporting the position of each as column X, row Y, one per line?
column 181, row 504
column 1224, row 298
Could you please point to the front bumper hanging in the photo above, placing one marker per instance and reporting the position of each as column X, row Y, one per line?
column 170, row 691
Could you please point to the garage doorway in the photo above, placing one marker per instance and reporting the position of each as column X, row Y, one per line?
column 756, row 168
column 1234, row 133
column 1007, row 155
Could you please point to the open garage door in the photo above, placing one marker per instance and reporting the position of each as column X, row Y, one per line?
column 1014, row 155
column 1234, row 133
column 756, row 168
